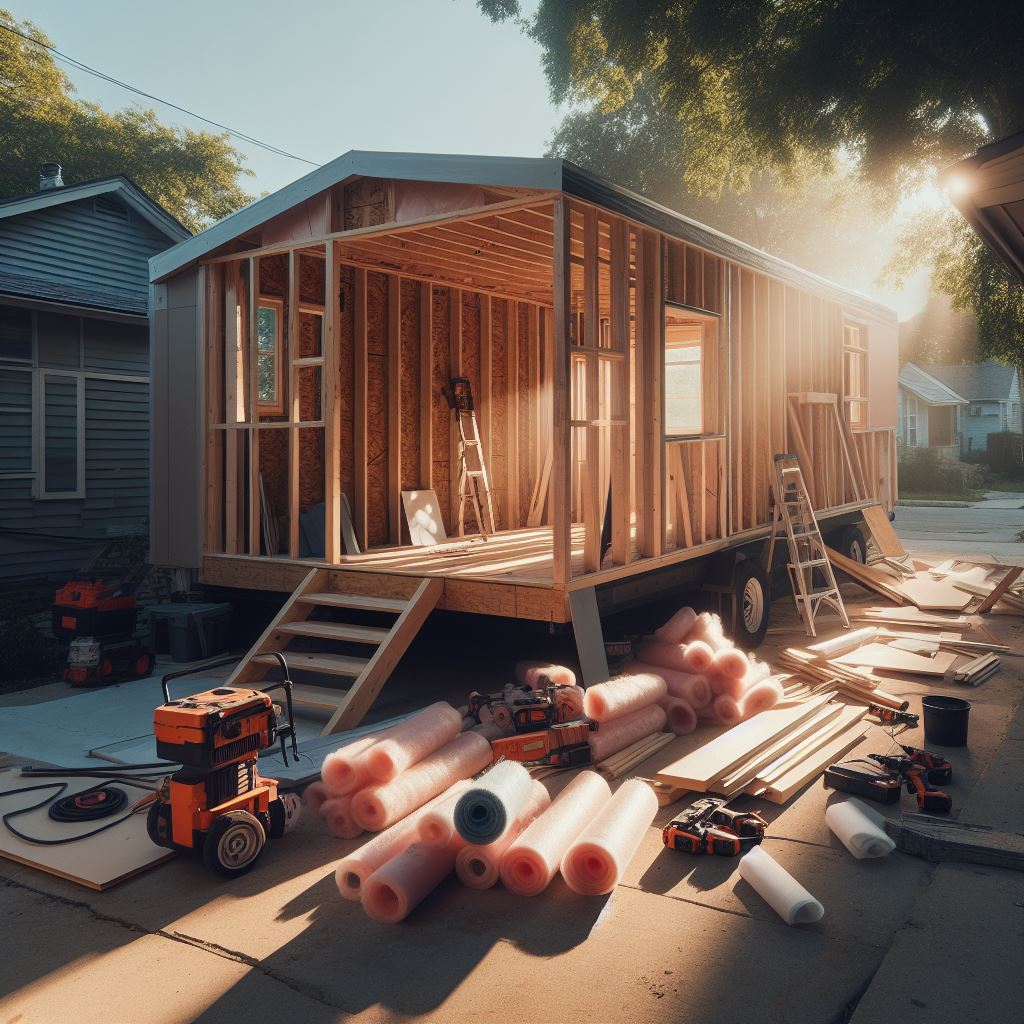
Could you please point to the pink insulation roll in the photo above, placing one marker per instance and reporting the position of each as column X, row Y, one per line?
column 344, row 770
column 490, row 731
column 538, row 674
column 402, row 884
column 728, row 686
column 697, row 657
column 726, row 711
column 412, row 740
column 354, row 869
column 569, row 702
column 622, row 696
column 436, row 827
column 695, row 690
column 314, row 795
column 682, row 719
column 532, row 860
column 760, row 697
column 611, row 737
column 708, row 628
column 379, row 806
column 594, row 863
column 477, row 866
column 337, row 815
column 674, row 631
column 728, row 661
column 654, row 652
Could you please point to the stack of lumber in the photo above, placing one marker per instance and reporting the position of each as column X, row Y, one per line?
column 772, row 755
column 706, row 676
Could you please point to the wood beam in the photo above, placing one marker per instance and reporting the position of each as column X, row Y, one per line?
column 254, row 408
column 331, row 402
column 561, row 516
column 426, row 326
column 394, row 399
column 359, row 406
column 294, row 404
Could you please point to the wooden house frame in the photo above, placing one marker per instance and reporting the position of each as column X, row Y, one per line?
column 559, row 296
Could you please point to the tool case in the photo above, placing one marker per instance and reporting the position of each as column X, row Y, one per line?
column 93, row 608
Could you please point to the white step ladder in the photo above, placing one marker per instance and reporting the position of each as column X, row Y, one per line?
column 807, row 554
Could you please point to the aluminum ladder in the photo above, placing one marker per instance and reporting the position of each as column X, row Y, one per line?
column 807, row 554
column 474, row 485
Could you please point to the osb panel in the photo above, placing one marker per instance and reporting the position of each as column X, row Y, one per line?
column 376, row 410
column 252, row 573
column 310, row 327
column 309, row 393
column 440, row 414
column 499, row 410
column 410, row 375
column 482, row 598
column 523, row 401
column 274, row 275
column 274, row 470
column 311, row 279
column 346, row 355
column 311, row 467
column 471, row 342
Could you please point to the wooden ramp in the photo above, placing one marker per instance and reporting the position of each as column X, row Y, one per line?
column 312, row 632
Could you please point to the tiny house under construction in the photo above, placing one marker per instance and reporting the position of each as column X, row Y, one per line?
column 633, row 373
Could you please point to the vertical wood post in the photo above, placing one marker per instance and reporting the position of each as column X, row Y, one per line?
column 254, row 408
column 394, row 406
column 359, row 406
column 331, row 402
column 592, row 501
column 561, row 514
column 426, row 326
column 234, row 403
column 622, row 541
column 213, row 468
column 294, row 403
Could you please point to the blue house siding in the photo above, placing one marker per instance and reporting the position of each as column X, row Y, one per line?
column 977, row 428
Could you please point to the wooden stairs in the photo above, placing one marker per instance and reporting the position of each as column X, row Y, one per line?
column 312, row 616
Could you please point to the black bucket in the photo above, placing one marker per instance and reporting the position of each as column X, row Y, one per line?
column 945, row 721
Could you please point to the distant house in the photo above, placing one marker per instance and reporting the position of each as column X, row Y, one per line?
column 930, row 414
column 992, row 391
column 74, row 368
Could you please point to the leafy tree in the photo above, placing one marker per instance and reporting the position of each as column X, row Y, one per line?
column 194, row 175
column 788, row 87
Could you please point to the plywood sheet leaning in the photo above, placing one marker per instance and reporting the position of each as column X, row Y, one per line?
column 868, row 577
column 888, row 658
column 98, row 862
column 697, row 770
column 884, row 536
column 423, row 515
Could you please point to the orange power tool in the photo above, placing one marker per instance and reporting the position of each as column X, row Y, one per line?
column 563, row 746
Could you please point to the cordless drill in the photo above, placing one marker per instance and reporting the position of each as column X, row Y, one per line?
column 919, row 780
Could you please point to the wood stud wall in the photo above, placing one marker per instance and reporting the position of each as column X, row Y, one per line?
column 391, row 340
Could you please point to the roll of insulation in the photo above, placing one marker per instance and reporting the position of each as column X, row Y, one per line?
column 486, row 809
column 674, row 631
column 403, row 883
column 611, row 737
column 860, row 828
column 412, row 740
column 779, row 889
column 623, row 696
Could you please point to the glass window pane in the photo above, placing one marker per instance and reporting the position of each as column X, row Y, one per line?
column 15, row 421
column 60, row 399
column 266, row 328
column 267, row 363
column 15, row 333
column 683, row 364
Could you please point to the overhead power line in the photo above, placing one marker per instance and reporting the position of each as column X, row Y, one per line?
column 156, row 99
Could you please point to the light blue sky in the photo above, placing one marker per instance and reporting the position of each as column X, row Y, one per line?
column 313, row 77
column 317, row 78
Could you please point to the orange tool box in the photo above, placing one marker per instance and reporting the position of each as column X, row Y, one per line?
column 92, row 608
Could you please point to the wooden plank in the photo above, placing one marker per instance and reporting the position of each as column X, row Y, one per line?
column 364, row 690
column 999, row 589
column 294, row 404
column 621, row 455
column 561, row 516
column 213, row 466
column 485, row 402
column 586, row 625
column 697, row 770
column 649, row 399
column 892, row 659
column 360, row 408
column 426, row 326
column 944, row 840
column 454, row 370
column 592, row 504
column 254, row 409
column 232, row 397
column 394, row 407
column 888, row 543
column 512, row 414
column 331, row 401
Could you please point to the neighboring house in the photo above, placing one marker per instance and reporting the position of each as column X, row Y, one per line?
column 930, row 413
column 992, row 391
column 74, row 368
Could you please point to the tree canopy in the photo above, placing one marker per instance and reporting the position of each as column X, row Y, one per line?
column 194, row 175
column 724, row 94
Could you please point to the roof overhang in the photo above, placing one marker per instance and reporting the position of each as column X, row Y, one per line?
column 543, row 175
column 988, row 190
column 130, row 193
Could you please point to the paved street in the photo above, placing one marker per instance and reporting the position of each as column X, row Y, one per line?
column 988, row 527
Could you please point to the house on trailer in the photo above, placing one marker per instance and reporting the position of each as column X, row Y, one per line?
column 930, row 414
column 632, row 374
column 74, row 368
column 992, row 393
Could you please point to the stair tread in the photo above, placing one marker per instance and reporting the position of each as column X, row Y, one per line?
column 328, row 664
column 374, row 604
column 337, row 631
column 317, row 696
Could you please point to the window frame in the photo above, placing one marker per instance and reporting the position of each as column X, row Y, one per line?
column 907, row 415
column 708, row 326
column 277, row 407
column 860, row 351
column 42, row 494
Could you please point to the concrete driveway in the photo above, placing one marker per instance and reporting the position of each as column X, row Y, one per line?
column 987, row 527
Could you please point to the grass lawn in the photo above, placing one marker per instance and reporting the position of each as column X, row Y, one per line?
column 906, row 495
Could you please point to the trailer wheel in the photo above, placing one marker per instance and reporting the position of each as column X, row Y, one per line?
column 158, row 823
column 233, row 843
column 751, row 602
column 850, row 542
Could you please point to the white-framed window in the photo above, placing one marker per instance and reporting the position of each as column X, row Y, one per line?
column 684, row 374
column 910, row 408
column 270, row 355
column 855, row 375
column 60, row 457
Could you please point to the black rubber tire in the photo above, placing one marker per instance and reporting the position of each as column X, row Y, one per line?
column 234, row 843
column 850, row 542
column 158, row 823
column 278, row 818
column 751, row 604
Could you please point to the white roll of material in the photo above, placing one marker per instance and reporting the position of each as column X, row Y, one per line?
column 861, row 829
column 779, row 889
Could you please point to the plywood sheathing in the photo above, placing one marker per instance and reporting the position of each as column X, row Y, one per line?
column 376, row 410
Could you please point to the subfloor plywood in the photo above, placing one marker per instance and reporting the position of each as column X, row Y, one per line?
column 97, row 862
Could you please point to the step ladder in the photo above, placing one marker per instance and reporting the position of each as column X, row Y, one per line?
column 474, row 485
column 314, row 616
column 810, row 571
